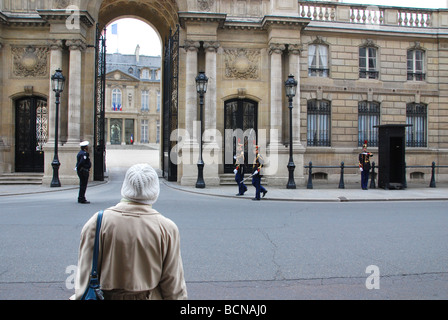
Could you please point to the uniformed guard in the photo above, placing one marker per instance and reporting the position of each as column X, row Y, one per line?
column 239, row 169
column 256, row 175
column 83, row 166
column 364, row 165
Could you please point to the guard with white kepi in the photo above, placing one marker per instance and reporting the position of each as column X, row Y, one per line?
column 83, row 165
column 256, row 175
column 239, row 170
column 364, row 165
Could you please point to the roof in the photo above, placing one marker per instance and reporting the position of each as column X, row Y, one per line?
column 127, row 63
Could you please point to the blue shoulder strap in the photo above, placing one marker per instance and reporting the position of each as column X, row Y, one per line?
column 94, row 273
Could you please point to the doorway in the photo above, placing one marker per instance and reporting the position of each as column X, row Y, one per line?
column 31, row 134
column 240, row 115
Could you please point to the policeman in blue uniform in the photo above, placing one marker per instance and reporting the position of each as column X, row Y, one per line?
column 83, row 166
column 364, row 165
column 256, row 175
column 239, row 170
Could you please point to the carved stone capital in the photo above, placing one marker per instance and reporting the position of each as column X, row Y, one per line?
column 56, row 44
column 211, row 46
column 191, row 45
column 295, row 48
column 277, row 48
column 76, row 45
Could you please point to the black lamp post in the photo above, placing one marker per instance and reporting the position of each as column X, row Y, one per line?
column 201, row 88
column 290, row 87
column 57, row 81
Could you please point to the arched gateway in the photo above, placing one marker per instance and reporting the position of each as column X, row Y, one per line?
column 246, row 48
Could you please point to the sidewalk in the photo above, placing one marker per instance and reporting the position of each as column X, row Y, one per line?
column 119, row 160
column 319, row 194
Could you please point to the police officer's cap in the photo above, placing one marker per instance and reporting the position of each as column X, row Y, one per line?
column 84, row 144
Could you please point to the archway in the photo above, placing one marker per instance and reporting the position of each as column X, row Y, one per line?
column 163, row 17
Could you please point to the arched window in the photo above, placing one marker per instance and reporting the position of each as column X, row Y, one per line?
column 116, row 100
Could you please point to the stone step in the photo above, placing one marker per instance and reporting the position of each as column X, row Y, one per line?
column 21, row 178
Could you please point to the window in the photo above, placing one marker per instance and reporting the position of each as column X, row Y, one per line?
column 416, row 69
column 116, row 100
column 367, row 63
column 368, row 118
column 115, row 131
column 145, row 100
column 318, row 60
column 145, row 132
column 318, row 123
column 158, row 132
column 145, row 74
column 416, row 133
column 158, row 101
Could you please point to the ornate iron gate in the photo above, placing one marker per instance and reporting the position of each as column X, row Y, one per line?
column 31, row 134
column 240, row 114
column 170, row 103
column 99, row 145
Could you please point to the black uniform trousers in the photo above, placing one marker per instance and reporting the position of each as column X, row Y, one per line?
column 83, row 175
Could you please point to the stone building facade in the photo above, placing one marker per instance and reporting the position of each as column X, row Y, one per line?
column 133, row 99
column 357, row 66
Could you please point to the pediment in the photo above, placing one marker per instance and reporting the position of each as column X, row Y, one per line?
column 118, row 75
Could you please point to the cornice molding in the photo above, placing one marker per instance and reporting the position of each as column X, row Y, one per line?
column 56, row 15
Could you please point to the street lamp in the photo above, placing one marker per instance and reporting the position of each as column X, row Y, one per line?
column 290, row 87
column 201, row 88
column 57, row 82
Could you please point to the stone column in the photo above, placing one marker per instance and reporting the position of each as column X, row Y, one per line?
column 191, row 115
column 190, row 147
column 212, row 150
column 294, row 69
column 276, row 51
column 74, row 91
column 210, row 71
column 55, row 63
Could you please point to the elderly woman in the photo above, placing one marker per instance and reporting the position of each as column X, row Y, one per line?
column 139, row 254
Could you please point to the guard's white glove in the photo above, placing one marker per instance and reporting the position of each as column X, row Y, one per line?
column 235, row 171
column 256, row 172
column 360, row 169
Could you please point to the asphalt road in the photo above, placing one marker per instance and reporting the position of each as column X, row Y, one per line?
column 239, row 249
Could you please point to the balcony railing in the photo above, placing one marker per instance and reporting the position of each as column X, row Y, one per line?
column 370, row 14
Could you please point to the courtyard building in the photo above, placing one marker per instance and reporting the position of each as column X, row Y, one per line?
column 133, row 99
column 357, row 67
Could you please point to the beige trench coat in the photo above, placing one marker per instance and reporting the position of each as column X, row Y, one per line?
column 139, row 254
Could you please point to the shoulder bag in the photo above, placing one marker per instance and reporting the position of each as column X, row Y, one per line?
column 93, row 291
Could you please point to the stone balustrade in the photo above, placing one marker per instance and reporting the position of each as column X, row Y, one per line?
column 373, row 15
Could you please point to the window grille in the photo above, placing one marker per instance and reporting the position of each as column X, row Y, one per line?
column 416, row 117
column 368, row 118
column 318, row 123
